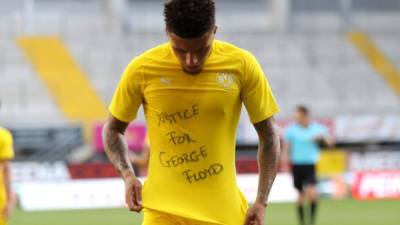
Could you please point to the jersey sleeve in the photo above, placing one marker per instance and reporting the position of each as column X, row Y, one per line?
column 256, row 92
column 128, row 95
column 6, row 145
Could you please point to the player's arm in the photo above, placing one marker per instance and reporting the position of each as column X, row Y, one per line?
column 6, row 164
column 116, row 149
column 330, row 142
column 325, row 139
column 268, row 159
column 285, row 155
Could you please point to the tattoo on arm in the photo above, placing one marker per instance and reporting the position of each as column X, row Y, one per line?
column 268, row 157
column 115, row 145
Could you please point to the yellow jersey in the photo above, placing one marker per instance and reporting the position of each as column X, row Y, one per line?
column 6, row 153
column 192, row 122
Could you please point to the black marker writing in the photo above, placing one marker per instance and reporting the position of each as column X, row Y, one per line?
column 185, row 158
column 212, row 170
column 172, row 118
column 179, row 139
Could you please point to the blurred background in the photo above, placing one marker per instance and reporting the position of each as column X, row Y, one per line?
column 60, row 61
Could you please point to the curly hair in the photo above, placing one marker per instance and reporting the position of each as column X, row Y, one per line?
column 189, row 18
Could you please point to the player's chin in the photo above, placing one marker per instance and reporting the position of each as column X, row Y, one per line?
column 193, row 70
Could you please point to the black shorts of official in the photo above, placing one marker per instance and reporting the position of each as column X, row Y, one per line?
column 303, row 175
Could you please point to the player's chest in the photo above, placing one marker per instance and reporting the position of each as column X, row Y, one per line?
column 305, row 135
column 214, row 92
column 171, row 81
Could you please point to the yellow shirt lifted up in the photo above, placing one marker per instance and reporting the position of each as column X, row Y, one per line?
column 192, row 122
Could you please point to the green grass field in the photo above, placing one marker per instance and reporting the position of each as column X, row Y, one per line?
column 344, row 212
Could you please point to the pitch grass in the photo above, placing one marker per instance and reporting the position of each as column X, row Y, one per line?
column 331, row 212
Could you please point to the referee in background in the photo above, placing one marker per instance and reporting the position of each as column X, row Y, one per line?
column 303, row 141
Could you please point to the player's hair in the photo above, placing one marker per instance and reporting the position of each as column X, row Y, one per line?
column 303, row 109
column 189, row 18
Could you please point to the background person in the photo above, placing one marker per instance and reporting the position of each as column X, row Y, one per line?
column 6, row 194
column 303, row 141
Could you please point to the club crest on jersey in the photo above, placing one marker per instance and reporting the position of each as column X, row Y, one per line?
column 166, row 81
column 225, row 79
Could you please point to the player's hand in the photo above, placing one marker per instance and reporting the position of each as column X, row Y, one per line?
column 8, row 208
column 318, row 138
column 7, row 211
column 133, row 192
column 255, row 215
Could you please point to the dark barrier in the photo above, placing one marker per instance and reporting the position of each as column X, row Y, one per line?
column 45, row 144
column 246, row 165
column 92, row 170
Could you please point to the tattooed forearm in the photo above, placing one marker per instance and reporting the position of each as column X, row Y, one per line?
column 268, row 157
column 115, row 145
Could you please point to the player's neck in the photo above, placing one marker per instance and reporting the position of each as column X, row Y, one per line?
column 304, row 124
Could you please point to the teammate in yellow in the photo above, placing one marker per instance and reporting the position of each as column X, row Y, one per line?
column 6, row 154
column 192, row 90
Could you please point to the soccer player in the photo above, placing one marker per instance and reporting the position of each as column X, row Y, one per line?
column 303, row 141
column 192, row 89
column 6, row 154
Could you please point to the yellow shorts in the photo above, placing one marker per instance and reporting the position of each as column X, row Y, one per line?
column 153, row 217
column 3, row 221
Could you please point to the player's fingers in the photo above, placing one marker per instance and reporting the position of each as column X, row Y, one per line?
column 4, row 213
column 136, row 203
column 129, row 199
column 138, row 192
column 255, row 222
column 248, row 219
column 258, row 220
